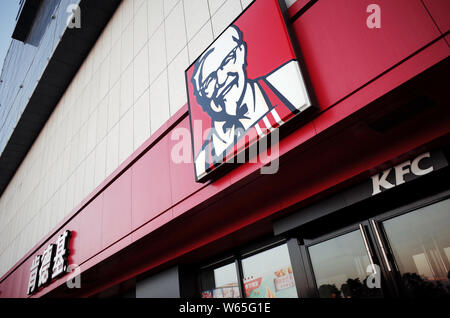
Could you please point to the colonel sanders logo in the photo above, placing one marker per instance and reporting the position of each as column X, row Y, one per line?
column 236, row 104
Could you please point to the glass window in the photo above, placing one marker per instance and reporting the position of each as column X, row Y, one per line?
column 340, row 267
column 269, row 274
column 420, row 242
column 220, row 282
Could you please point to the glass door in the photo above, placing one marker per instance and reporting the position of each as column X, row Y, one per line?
column 402, row 253
column 418, row 249
column 344, row 265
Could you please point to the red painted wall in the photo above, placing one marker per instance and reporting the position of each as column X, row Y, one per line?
column 349, row 66
column 440, row 12
column 342, row 53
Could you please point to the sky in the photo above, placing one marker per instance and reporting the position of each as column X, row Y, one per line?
column 8, row 13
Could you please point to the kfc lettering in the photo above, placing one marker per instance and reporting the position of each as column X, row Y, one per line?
column 380, row 180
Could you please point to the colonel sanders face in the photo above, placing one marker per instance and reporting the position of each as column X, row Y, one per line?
column 220, row 76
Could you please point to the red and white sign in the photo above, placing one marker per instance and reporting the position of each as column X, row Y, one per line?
column 284, row 282
column 244, row 86
column 252, row 285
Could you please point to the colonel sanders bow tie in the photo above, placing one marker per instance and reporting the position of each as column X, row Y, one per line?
column 234, row 121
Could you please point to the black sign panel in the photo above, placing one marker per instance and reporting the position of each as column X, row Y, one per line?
column 393, row 177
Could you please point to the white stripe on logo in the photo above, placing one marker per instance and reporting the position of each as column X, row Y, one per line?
column 267, row 123
column 276, row 117
column 259, row 131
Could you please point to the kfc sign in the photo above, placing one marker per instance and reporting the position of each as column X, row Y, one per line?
column 246, row 84
column 50, row 265
column 406, row 171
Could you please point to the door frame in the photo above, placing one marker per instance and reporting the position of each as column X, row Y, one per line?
column 389, row 278
column 372, row 251
column 394, row 275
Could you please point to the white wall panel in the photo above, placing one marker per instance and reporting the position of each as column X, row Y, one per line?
column 169, row 6
column 115, row 68
column 157, row 53
column 141, row 123
column 104, row 77
column 126, row 90
column 126, row 54
column 155, row 15
column 138, row 3
column 177, row 83
column 159, row 102
column 102, row 119
column 246, row 3
column 112, row 150
column 141, row 73
column 197, row 14
column 214, row 5
column 100, row 162
column 127, row 12
column 114, row 106
column 116, row 26
column 175, row 32
column 126, row 136
column 200, row 41
column 225, row 15
column 129, row 85
column 140, row 28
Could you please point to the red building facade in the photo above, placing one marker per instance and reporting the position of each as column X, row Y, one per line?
column 381, row 102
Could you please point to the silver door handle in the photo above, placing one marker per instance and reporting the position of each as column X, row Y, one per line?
column 366, row 243
column 380, row 242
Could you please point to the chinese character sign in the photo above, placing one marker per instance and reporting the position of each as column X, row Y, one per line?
column 34, row 271
column 51, row 264
column 246, row 84
column 62, row 253
column 46, row 265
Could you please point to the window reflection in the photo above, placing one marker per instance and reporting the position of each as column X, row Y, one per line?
column 269, row 274
column 220, row 282
column 420, row 242
column 340, row 267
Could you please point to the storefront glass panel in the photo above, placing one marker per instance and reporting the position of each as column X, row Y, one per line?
column 269, row 274
column 341, row 267
column 420, row 242
column 220, row 282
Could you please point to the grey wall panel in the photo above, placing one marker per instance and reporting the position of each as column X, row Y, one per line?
column 165, row 284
